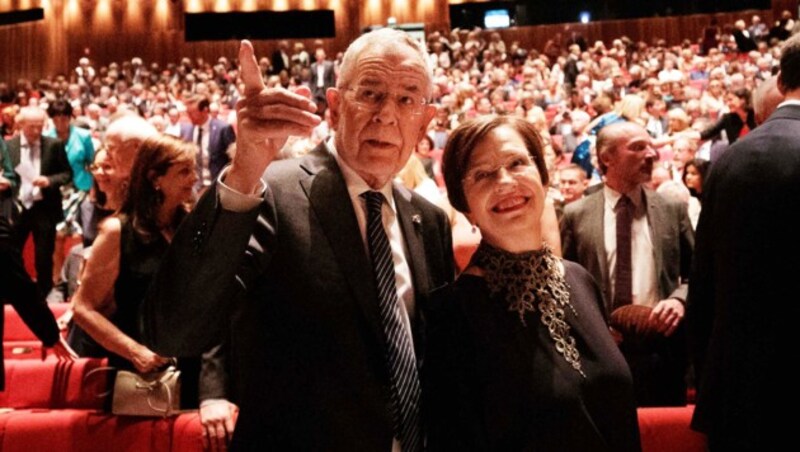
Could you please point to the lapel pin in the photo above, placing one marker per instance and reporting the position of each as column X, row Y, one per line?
column 416, row 219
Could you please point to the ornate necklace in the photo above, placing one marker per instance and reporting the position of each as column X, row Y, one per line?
column 532, row 280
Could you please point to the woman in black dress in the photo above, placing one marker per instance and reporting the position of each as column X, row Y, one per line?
column 518, row 354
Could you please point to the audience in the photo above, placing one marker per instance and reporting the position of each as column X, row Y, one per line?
column 693, row 100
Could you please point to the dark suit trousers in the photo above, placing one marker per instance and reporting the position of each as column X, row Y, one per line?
column 38, row 221
column 658, row 367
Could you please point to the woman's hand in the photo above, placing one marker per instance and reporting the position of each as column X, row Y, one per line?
column 145, row 360
column 218, row 419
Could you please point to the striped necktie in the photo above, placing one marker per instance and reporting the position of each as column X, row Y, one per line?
column 401, row 362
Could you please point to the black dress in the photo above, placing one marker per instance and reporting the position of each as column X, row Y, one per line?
column 491, row 383
column 139, row 261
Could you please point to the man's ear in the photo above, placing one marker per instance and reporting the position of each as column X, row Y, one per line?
column 781, row 88
column 428, row 114
column 334, row 98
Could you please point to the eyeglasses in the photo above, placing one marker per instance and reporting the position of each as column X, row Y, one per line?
column 515, row 166
column 371, row 98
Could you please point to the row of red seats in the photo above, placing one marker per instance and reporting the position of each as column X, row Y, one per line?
column 51, row 405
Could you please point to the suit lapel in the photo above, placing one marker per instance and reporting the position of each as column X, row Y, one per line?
column 330, row 201
column 655, row 221
column 596, row 212
column 14, row 151
column 410, row 219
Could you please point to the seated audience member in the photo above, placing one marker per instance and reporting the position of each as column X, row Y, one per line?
column 737, row 122
column 414, row 177
column 678, row 191
column 518, row 352
column 572, row 182
column 423, row 153
column 126, row 255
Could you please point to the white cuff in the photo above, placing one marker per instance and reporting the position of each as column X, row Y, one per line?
column 236, row 201
column 207, row 402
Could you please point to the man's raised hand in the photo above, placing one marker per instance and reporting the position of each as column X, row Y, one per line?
column 266, row 118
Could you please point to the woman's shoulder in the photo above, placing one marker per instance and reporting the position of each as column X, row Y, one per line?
column 110, row 226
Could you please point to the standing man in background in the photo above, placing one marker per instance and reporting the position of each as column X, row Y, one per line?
column 41, row 167
column 212, row 136
column 742, row 307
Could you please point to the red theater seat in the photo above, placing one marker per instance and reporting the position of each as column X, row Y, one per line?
column 19, row 342
column 16, row 330
column 53, row 384
column 72, row 430
column 667, row 429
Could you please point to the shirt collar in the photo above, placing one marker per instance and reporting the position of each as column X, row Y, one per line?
column 355, row 183
column 789, row 102
column 23, row 142
column 612, row 197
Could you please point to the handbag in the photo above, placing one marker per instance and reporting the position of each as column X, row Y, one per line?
column 154, row 394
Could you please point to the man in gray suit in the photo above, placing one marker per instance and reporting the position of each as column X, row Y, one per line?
column 638, row 246
column 293, row 266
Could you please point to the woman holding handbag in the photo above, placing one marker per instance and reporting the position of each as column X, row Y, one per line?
column 124, row 258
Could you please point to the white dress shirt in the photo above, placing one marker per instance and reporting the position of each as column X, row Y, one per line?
column 29, row 168
column 644, row 283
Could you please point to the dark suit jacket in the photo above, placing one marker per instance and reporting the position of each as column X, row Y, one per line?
column 328, row 79
column 221, row 136
column 17, row 288
column 306, row 339
column 55, row 166
column 582, row 241
column 743, row 298
column 277, row 62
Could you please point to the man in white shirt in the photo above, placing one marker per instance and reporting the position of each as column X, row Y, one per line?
column 41, row 167
column 322, row 78
column 655, row 264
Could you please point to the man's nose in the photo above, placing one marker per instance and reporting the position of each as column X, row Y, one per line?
column 387, row 111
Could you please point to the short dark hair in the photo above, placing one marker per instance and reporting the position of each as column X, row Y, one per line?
column 59, row 107
column 790, row 64
column 463, row 141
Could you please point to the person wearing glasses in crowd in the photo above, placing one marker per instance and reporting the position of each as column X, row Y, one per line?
column 518, row 354
column 320, row 276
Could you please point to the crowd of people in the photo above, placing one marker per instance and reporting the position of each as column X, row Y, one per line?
column 305, row 286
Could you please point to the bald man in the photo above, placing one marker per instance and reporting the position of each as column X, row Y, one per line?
column 41, row 168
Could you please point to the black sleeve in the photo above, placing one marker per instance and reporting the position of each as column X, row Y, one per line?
column 21, row 292
column 215, row 256
column 214, row 374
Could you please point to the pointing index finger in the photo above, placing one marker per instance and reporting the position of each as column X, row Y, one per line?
column 250, row 72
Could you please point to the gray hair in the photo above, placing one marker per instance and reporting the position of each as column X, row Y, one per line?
column 384, row 37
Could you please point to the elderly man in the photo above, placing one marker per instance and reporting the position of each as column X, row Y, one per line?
column 330, row 261
column 742, row 308
column 638, row 246
column 41, row 167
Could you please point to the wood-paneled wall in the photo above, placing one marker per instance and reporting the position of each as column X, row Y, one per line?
column 116, row 30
